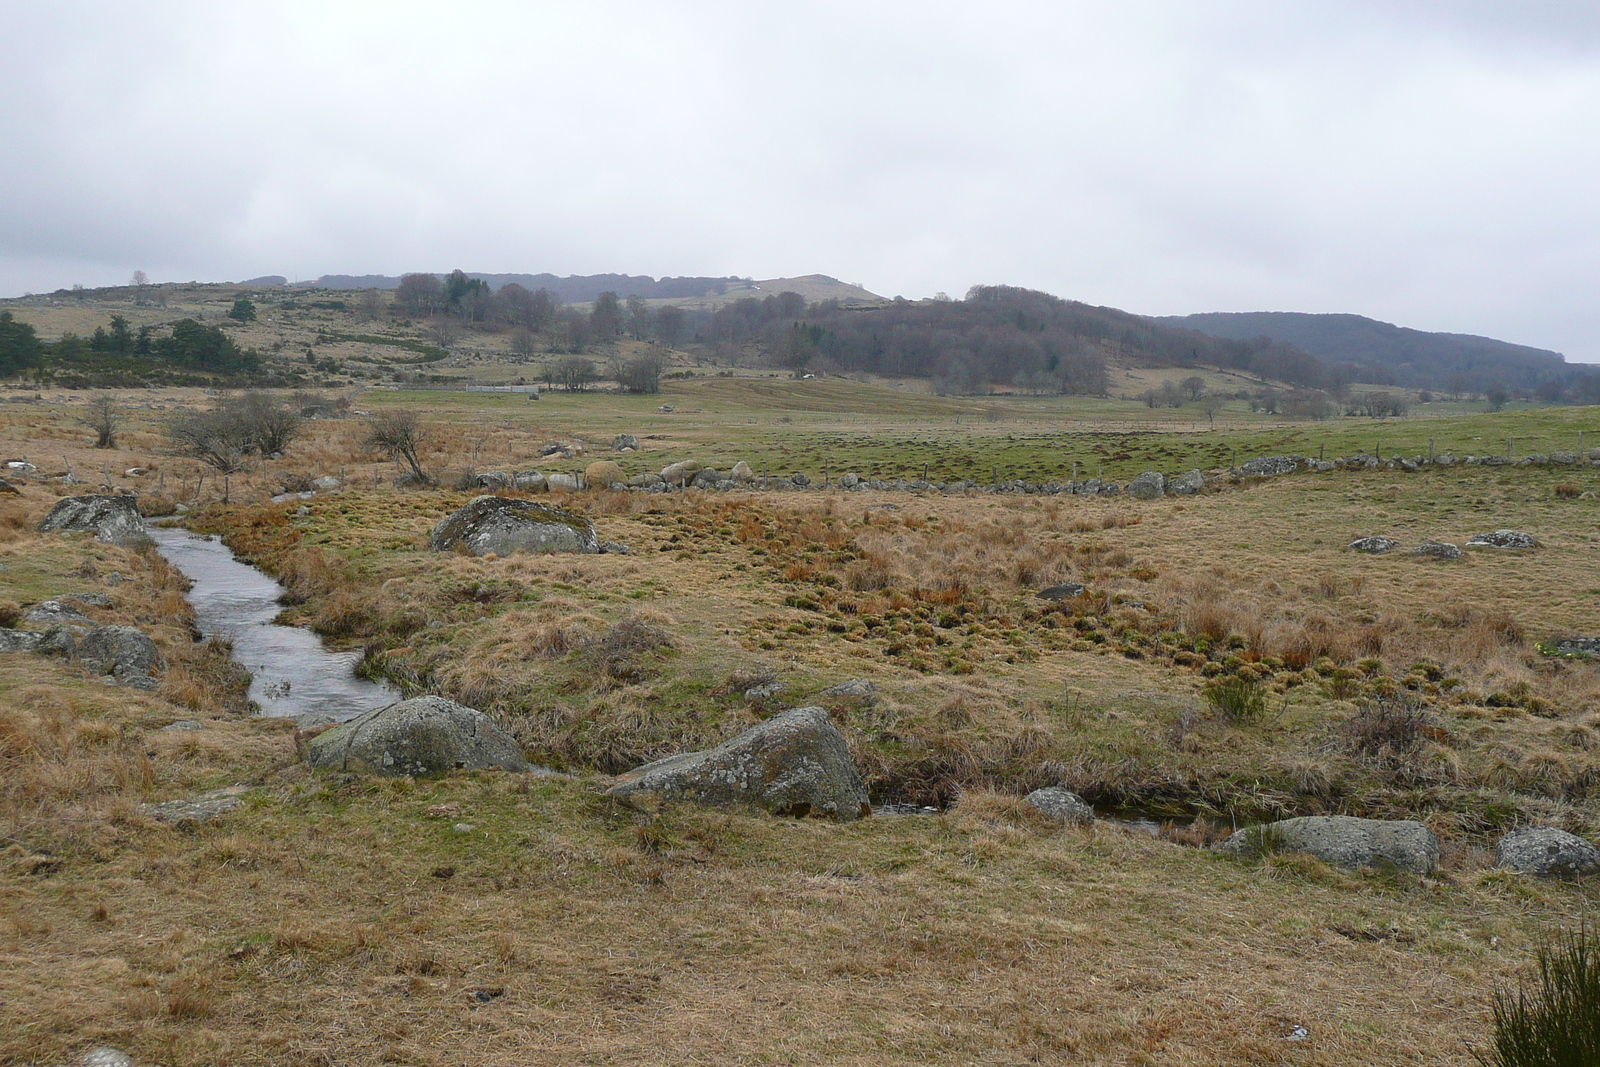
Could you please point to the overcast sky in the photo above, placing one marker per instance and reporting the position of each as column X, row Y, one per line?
column 1435, row 164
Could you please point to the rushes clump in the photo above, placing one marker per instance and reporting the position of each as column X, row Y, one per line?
column 1554, row 1019
column 1236, row 699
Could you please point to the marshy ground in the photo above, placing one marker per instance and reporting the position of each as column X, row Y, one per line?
column 334, row 920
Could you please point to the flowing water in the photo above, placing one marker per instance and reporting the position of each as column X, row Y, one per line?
column 292, row 675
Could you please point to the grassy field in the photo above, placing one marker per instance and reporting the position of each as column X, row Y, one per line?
column 485, row 918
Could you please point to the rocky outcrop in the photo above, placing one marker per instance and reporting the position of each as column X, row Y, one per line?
column 423, row 736
column 1059, row 804
column 1503, row 539
column 625, row 442
column 49, row 613
column 1374, row 545
column 1547, row 852
column 1343, row 841
column 795, row 763
column 679, row 473
column 503, row 525
column 114, row 520
column 1438, row 550
column 19, row 640
column 195, row 810
column 1148, row 485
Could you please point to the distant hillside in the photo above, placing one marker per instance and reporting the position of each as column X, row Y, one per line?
column 573, row 289
column 1382, row 353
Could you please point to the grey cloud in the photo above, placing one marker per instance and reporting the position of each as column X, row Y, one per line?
column 1425, row 163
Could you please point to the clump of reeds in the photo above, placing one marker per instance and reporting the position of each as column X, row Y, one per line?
column 1552, row 1020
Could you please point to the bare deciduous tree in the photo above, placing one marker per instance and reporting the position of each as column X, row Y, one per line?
column 444, row 330
column 524, row 344
column 400, row 436
column 104, row 417
column 574, row 373
column 371, row 304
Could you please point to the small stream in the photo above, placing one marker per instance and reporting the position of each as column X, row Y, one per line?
column 292, row 675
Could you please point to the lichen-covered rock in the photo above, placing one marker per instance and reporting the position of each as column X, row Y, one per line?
column 1344, row 841
column 1187, row 484
column 19, row 640
column 680, row 472
column 529, row 481
column 493, row 480
column 51, row 613
column 422, row 736
column 1547, row 852
column 1374, row 545
column 563, row 482
column 1063, row 591
column 203, row 808
column 1148, row 485
column 1502, row 539
column 624, row 441
column 605, row 474
column 1059, row 804
column 856, row 689
column 1438, row 550
column 503, row 525
column 113, row 519
column 123, row 651
column 742, row 473
column 795, row 763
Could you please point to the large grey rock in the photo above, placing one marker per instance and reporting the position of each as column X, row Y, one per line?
column 742, row 472
column 504, row 525
column 706, row 478
column 1502, row 539
column 1374, row 545
column 795, row 763
column 624, row 440
column 565, row 482
column 423, row 736
column 1438, row 550
column 1063, row 591
column 1547, row 852
column 493, row 480
column 114, row 520
column 1062, row 805
column 1344, row 841
column 1148, row 485
column 1187, row 484
column 124, row 651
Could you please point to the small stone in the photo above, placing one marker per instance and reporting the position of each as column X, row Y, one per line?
column 1374, row 545
column 1438, row 550
column 106, row 1056
column 1063, row 591
column 1502, row 539
column 463, row 828
column 184, row 724
column 857, row 688
column 1546, row 852
column 614, row 548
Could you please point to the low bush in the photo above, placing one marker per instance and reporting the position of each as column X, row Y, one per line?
column 1237, row 699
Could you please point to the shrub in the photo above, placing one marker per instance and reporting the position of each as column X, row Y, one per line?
column 1237, row 699
column 1553, row 1020
column 1568, row 491
column 1388, row 726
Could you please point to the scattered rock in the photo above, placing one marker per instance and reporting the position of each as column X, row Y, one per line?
column 1575, row 646
column 849, row 480
column 1374, row 545
column 680, row 472
column 795, row 763
column 706, row 478
column 1546, row 852
column 136, row 472
column 1187, row 484
column 614, row 548
column 7, row 487
column 1148, row 485
column 1438, row 550
column 1502, row 539
column 203, row 808
column 493, row 480
column 666, row 408
column 1064, row 591
column 858, row 688
column 55, row 613
column 763, row 691
column 531, row 481
column 20, row 640
column 566, row 482
column 90, row 600
column 800, row 479
column 1268, row 465
column 1343, row 841
column 184, row 724
column 124, row 651
column 624, row 441
column 554, row 448
column 742, row 472
column 1062, row 805
column 106, row 1056
column 115, row 520
column 325, row 482
column 605, row 475
column 504, row 525
column 422, row 736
